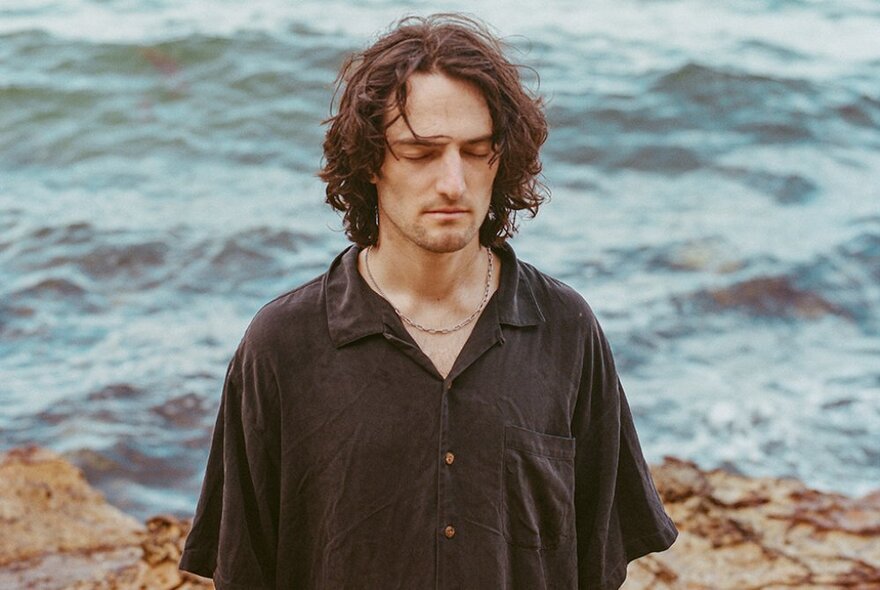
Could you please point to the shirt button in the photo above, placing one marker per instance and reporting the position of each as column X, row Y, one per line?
column 449, row 458
column 449, row 531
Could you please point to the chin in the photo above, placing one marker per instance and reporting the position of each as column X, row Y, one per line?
column 446, row 244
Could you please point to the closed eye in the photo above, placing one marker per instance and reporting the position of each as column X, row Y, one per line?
column 479, row 149
column 479, row 155
column 417, row 156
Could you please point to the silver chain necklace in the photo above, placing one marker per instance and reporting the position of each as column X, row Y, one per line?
column 418, row 326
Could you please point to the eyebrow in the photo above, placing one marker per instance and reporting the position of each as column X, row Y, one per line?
column 434, row 140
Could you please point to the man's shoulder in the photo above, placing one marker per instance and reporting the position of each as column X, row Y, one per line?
column 298, row 311
column 556, row 299
column 305, row 299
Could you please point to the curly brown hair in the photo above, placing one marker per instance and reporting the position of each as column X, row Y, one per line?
column 373, row 82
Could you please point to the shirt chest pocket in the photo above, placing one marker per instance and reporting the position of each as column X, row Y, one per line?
column 537, row 491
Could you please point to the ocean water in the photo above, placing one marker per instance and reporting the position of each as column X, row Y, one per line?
column 715, row 169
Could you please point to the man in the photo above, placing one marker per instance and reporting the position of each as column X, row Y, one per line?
column 431, row 412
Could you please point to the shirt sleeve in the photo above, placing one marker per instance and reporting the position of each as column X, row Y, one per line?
column 234, row 533
column 619, row 515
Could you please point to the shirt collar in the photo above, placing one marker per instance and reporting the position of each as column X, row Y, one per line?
column 355, row 311
column 517, row 304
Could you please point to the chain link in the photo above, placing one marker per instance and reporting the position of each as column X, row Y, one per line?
column 417, row 325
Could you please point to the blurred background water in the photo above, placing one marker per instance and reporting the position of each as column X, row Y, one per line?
column 715, row 169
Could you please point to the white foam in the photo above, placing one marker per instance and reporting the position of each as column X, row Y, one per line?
column 688, row 27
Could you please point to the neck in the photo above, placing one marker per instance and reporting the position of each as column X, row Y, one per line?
column 424, row 275
column 435, row 293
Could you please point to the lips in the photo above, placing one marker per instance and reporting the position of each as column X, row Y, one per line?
column 447, row 211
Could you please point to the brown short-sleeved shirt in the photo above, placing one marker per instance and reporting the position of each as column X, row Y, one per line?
column 341, row 459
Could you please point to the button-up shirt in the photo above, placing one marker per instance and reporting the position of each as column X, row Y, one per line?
column 342, row 459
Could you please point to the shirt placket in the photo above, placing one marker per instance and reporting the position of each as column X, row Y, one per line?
column 447, row 517
column 451, row 532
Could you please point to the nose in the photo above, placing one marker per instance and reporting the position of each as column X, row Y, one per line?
column 450, row 181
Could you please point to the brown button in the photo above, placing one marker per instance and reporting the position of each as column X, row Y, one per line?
column 449, row 458
column 449, row 531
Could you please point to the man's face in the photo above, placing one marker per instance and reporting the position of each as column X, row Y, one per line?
column 434, row 192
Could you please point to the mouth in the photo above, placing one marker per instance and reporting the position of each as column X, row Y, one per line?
column 446, row 212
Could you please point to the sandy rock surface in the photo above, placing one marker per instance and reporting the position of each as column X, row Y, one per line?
column 736, row 533
column 741, row 534
column 56, row 532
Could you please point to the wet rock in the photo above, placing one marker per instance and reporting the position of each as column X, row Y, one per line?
column 706, row 254
column 771, row 297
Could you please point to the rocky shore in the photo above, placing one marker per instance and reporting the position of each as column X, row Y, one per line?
column 56, row 532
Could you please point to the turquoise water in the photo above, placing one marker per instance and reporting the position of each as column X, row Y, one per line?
column 714, row 167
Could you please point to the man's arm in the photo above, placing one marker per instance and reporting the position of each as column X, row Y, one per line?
column 619, row 515
column 234, row 532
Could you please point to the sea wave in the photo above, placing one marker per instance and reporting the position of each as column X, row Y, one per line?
column 714, row 173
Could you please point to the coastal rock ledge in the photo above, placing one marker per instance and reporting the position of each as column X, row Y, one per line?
column 736, row 533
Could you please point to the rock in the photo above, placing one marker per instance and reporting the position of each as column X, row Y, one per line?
column 742, row 533
column 771, row 296
column 736, row 533
column 59, row 533
column 41, row 491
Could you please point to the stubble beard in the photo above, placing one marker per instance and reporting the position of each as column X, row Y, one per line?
column 445, row 241
column 439, row 240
